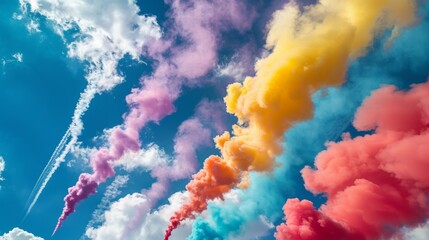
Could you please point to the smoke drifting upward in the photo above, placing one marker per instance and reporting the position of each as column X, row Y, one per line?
column 214, row 183
column 186, row 54
column 150, row 104
column 191, row 135
column 375, row 184
column 303, row 59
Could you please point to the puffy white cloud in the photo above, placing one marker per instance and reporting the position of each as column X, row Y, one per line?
column 119, row 218
column 112, row 192
column 144, row 159
column 19, row 234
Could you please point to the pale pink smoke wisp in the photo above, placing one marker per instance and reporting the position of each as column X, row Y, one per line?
column 198, row 26
column 192, row 134
column 375, row 184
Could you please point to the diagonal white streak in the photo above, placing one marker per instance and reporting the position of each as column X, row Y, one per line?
column 112, row 191
column 74, row 132
column 58, row 149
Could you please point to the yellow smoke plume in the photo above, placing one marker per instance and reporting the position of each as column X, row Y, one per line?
column 310, row 48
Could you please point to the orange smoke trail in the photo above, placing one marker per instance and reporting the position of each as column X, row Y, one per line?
column 309, row 50
column 216, row 179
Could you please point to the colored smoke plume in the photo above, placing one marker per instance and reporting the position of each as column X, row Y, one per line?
column 303, row 59
column 375, row 184
column 194, row 56
column 404, row 63
column 214, row 183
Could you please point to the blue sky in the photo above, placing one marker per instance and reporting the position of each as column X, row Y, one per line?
column 41, row 83
column 38, row 96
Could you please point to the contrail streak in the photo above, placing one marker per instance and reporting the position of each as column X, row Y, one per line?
column 58, row 149
column 64, row 147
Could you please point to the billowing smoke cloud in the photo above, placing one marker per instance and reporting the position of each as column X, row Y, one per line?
column 197, row 25
column 375, row 184
column 405, row 62
column 98, row 43
column 303, row 60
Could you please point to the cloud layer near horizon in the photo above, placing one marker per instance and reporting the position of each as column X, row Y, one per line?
column 19, row 234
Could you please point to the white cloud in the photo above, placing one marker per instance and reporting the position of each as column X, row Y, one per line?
column 240, row 65
column 233, row 69
column 19, row 234
column 418, row 233
column 33, row 26
column 144, row 159
column 18, row 57
column 17, row 16
column 2, row 167
column 99, row 33
column 112, row 192
column 107, row 30
column 153, row 225
column 122, row 213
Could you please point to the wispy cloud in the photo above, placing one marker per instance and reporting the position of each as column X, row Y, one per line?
column 18, row 57
column 2, row 168
column 14, row 58
column 177, row 64
column 112, row 192
column 98, row 43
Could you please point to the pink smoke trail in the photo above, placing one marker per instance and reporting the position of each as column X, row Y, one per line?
column 192, row 134
column 149, row 104
column 190, row 137
column 198, row 24
column 375, row 184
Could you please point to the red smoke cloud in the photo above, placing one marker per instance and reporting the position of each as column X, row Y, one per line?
column 375, row 184
column 304, row 222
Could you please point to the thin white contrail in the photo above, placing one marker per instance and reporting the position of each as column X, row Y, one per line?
column 54, row 155
column 73, row 132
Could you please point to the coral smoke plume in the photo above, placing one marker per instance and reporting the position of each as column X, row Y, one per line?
column 378, row 183
column 216, row 179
